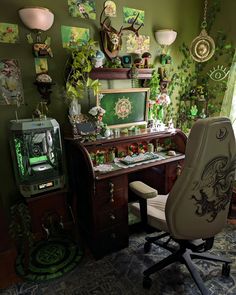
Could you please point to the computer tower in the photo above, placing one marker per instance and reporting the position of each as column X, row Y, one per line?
column 37, row 155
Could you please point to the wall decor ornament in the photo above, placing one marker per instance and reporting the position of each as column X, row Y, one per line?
column 131, row 14
column 137, row 44
column 218, row 74
column 82, row 8
column 11, row 90
column 9, row 33
column 41, row 65
column 110, row 8
column 41, row 49
column 44, row 86
column 112, row 38
column 73, row 37
column 124, row 107
column 202, row 47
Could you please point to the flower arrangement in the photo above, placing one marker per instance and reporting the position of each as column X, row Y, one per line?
column 97, row 112
column 156, row 106
column 101, row 128
column 163, row 99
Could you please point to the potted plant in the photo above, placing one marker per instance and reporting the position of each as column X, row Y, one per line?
column 78, row 82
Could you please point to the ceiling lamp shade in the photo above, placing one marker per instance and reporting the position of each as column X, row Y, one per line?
column 165, row 37
column 36, row 18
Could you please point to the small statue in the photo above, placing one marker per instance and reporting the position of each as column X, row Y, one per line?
column 98, row 59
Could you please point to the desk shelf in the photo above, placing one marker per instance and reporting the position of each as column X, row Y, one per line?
column 121, row 73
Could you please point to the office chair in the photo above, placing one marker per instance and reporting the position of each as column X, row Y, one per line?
column 196, row 208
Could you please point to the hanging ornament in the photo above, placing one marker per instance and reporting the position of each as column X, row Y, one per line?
column 202, row 47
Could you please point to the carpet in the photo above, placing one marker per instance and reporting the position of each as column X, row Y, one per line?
column 120, row 273
column 49, row 259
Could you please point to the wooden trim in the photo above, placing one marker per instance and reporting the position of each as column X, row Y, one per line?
column 120, row 73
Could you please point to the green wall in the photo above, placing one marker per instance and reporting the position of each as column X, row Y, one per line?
column 181, row 15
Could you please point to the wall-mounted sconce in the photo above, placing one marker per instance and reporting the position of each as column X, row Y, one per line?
column 165, row 38
column 38, row 19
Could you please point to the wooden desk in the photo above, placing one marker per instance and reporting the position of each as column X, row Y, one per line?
column 102, row 198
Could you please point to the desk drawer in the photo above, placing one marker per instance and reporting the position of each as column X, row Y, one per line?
column 112, row 192
column 110, row 240
column 109, row 218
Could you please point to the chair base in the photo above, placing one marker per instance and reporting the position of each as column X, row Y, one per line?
column 185, row 256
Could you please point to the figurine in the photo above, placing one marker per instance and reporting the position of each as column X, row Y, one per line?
column 98, row 59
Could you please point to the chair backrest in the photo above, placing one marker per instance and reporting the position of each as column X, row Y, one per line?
column 198, row 203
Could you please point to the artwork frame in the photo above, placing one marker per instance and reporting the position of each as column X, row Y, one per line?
column 137, row 44
column 73, row 37
column 124, row 107
column 129, row 15
column 9, row 33
column 83, row 9
column 11, row 88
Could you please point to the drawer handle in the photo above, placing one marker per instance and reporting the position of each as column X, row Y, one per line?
column 111, row 191
column 178, row 170
column 112, row 216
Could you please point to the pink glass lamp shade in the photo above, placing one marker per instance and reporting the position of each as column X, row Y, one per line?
column 36, row 18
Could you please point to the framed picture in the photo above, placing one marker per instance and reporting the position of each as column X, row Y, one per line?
column 11, row 89
column 124, row 107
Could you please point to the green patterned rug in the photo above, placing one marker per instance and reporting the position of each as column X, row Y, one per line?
column 49, row 259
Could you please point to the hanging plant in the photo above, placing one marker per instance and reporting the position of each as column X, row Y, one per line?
column 154, row 85
column 78, row 67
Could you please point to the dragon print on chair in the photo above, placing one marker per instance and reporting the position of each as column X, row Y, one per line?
column 215, row 187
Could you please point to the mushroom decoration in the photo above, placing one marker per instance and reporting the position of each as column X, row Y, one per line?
column 146, row 57
column 138, row 62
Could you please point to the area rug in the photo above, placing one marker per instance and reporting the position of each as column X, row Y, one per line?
column 120, row 273
column 49, row 259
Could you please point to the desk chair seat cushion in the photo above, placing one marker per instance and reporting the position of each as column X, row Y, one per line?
column 142, row 190
column 155, row 210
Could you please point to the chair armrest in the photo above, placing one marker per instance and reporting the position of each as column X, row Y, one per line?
column 142, row 190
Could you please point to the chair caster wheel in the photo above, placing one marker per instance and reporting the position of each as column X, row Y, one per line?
column 226, row 270
column 147, row 283
column 147, row 247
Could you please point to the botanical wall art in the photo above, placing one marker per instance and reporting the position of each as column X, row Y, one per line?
column 110, row 9
column 72, row 37
column 124, row 107
column 9, row 33
column 11, row 90
column 130, row 15
column 137, row 44
column 41, row 65
column 82, row 8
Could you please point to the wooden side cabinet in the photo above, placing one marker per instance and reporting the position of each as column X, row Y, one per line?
column 49, row 207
